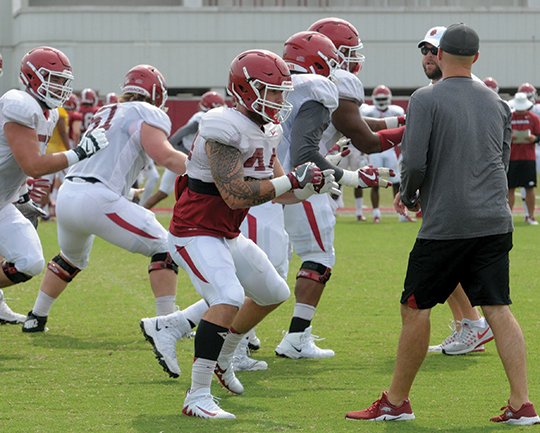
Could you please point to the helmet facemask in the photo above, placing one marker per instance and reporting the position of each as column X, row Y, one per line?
column 352, row 58
column 53, row 94
column 270, row 111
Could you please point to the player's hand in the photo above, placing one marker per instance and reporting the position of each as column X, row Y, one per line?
column 338, row 151
column 328, row 184
column 91, row 142
column 369, row 176
column 307, row 173
column 39, row 190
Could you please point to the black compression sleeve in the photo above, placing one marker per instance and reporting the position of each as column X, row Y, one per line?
column 311, row 121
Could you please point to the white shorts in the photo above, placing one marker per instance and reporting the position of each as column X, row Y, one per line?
column 265, row 225
column 168, row 179
column 387, row 159
column 19, row 242
column 224, row 271
column 85, row 210
column 310, row 225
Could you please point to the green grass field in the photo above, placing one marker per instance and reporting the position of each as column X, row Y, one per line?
column 94, row 372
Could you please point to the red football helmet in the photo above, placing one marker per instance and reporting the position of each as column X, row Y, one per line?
column 345, row 38
column 311, row 52
column 252, row 75
column 382, row 97
column 47, row 75
column 1, row 65
column 211, row 100
column 89, row 96
column 72, row 104
column 111, row 98
column 491, row 83
column 529, row 90
column 146, row 80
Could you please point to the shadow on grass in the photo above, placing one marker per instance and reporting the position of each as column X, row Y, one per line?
column 414, row 426
column 181, row 423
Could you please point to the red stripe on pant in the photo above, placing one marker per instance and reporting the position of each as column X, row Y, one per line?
column 308, row 209
column 185, row 255
column 252, row 227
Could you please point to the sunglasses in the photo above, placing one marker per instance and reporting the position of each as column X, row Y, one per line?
column 425, row 50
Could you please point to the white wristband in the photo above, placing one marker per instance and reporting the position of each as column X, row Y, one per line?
column 282, row 184
column 349, row 178
column 71, row 156
column 391, row 122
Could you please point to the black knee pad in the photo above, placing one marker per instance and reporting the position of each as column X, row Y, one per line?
column 314, row 271
column 62, row 269
column 162, row 261
column 13, row 274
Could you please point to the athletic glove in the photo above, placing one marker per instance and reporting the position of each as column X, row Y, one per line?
column 38, row 189
column 307, row 173
column 339, row 151
column 90, row 143
column 367, row 177
column 328, row 185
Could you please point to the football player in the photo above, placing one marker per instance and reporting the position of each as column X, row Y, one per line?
column 27, row 119
column 233, row 166
column 323, row 112
column 88, row 106
column 382, row 107
column 92, row 200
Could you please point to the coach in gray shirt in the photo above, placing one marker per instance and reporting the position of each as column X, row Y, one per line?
column 455, row 154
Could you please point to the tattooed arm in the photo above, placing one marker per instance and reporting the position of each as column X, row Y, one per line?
column 228, row 173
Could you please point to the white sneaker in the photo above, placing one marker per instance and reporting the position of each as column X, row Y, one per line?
column 448, row 340
column 469, row 339
column 228, row 379
column 202, row 404
column 531, row 221
column 296, row 345
column 243, row 362
column 7, row 315
column 254, row 343
column 162, row 332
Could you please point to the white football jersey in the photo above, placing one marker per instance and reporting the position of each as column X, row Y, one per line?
column 307, row 87
column 372, row 111
column 230, row 127
column 118, row 165
column 19, row 107
column 349, row 87
column 187, row 141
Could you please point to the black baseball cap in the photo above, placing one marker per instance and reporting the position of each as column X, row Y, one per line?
column 460, row 40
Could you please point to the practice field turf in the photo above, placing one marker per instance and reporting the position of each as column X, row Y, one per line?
column 94, row 372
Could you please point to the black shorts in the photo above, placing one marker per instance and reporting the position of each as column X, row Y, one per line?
column 481, row 265
column 522, row 173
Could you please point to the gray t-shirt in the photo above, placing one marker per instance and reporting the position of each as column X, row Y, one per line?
column 456, row 150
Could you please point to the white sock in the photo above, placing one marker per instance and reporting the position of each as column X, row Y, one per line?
column 43, row 304
column 201, row 374
column 196, row 311
column 165, row 305
column 304, row 311
column 359, row 203
column 229, row 346
column 376, row 212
